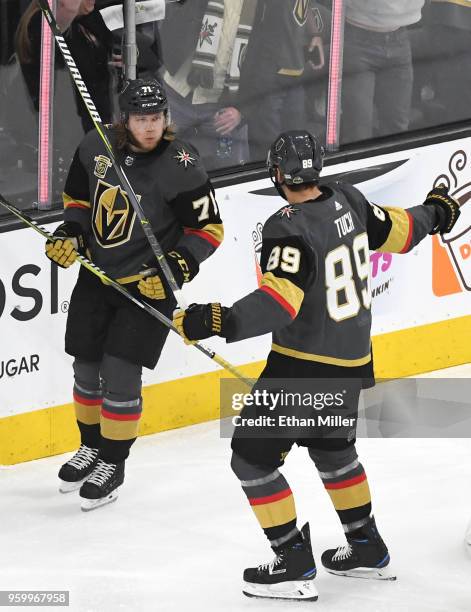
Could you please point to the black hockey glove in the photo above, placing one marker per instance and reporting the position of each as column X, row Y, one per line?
column 183, row 265
column 448, row 209
column 69, row 240
column 201, row 321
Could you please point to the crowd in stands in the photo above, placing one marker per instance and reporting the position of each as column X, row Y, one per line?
column 238, row 72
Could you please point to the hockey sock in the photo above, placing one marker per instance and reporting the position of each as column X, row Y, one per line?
column 271, row 500
column 120, row 419
column 90, row 435
column 122, row 408
column 87, row 401
column 119, row 428
column 115, row 451
column 348, row 489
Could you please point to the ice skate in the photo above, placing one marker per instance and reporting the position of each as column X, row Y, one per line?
column 101, row 487
column 364, row 556
column 74, row 472
column 289, row 576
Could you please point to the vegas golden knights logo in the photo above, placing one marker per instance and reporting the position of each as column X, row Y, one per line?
column 300, row 11
column 113, row 215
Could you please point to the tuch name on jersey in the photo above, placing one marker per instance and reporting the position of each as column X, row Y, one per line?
column 344, row 225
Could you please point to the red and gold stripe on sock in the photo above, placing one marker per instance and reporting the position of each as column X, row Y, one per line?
column 120, row 420
column 274, row 510
column 87, row 407
column 349, row 493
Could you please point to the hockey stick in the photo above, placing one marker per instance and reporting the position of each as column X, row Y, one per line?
column 89, row 265
column 98, row 123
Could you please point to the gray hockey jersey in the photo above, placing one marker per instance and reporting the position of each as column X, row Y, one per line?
column 315, row 295
column 173, row 190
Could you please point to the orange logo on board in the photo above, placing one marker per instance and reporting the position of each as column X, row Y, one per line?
column 451, row 253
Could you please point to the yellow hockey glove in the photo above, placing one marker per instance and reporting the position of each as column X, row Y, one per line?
column 178, row 319
column 68, row 241
column 152, row 288
column 62, row 252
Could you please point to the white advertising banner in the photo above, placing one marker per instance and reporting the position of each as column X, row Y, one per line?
column 431, row 284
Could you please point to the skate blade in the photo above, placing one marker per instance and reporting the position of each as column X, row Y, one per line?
column 367, row 573
column 93, row 504
column 296, row 590
column 68, row 487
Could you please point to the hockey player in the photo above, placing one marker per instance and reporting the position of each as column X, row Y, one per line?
column 111, row 339
column 315, row 298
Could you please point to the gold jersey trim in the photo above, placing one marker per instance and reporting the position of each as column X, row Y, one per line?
column 284, row 287
column 399, row 234
column 216, row 230
column 291, row 72
column 349, row 363
column 135, row 278
column 466, row 3
column 69, row 201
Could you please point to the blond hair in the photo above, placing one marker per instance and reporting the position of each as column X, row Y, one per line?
column 123, row 136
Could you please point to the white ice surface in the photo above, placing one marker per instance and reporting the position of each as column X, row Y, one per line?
column 182, row 531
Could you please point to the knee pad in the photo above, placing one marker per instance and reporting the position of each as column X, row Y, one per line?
column 329, row 461
column 121, row 379
column 87, row 376
column 247, row 472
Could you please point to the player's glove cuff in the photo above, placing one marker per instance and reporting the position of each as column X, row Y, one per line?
column 201, row 321
column 446, row 207
column 183, row 265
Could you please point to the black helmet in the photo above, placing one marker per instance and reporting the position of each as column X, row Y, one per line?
column 143, row 96
column 298, row 155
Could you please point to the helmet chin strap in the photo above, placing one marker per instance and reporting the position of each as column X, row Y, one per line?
column 278, row 185
column 280, row 190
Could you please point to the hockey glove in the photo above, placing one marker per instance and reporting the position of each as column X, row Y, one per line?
column 448, row 209
column 68, row 241
column 183, row 265
column 152, row 288
column 201, row 321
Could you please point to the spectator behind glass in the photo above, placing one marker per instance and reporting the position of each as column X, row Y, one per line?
column 148, row 14
column 377, row 72
column 89, row 41
column 271, row 87
column 442, row 62
column 316, row 74
column 203, row 44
